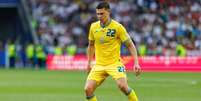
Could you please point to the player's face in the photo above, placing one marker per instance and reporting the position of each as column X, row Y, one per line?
column 102, row 14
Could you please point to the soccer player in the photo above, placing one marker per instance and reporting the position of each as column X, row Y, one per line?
column 105, row 38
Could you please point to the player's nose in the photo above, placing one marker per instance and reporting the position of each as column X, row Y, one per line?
column 99, row 16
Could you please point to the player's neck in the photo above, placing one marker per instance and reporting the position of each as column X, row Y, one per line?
column 105, row 23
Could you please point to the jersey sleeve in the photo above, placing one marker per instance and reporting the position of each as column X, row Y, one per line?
column 90, row 35
column 123, row 35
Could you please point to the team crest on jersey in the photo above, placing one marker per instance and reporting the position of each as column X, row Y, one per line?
column 102, row 40
column 98, row 30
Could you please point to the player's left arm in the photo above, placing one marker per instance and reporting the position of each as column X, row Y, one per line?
column 133, row 51
column 125, row 38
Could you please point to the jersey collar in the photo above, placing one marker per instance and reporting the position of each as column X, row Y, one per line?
column 105, row 25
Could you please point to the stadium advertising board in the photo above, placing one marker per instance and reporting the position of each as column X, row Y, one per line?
column 148, row 63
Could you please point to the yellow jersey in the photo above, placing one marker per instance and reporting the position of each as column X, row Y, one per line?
column 108, row 41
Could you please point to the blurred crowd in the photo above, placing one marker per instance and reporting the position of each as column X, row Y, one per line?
column 158, row 27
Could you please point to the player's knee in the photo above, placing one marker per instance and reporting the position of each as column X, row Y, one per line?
column 90, row 87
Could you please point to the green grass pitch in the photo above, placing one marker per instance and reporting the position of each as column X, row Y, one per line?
column 42, row 85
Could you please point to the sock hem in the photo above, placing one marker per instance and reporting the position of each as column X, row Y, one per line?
column 89, row 97
column 129, row 91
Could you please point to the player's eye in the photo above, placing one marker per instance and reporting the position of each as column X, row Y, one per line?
column 99, row 13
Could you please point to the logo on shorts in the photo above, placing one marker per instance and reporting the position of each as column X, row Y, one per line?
column 121, row 69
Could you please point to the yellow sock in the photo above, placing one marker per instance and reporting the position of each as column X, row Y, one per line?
column 132, row 96
column 92, row 98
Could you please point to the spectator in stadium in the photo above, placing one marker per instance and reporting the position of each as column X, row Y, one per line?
column 12, row 50
column 30, row 55
column 71, row 49
column 158, row 23
column 2, row 54
column 40, row 56
column 105, row 38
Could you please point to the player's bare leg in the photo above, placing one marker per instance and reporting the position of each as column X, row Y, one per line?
column 123, row 86
column 90, row 87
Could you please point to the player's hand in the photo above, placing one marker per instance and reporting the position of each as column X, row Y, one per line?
column 137, row 70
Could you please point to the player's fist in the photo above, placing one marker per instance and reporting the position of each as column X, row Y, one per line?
column 137, row 69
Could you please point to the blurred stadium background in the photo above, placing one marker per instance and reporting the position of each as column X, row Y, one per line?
column 40, row 37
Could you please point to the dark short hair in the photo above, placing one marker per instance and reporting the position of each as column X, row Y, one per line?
column 102, row 5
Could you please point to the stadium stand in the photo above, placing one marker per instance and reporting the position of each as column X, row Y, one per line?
column 159, row 25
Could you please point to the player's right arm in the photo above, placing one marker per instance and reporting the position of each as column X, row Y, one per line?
column 90, row 54
column 90, row 48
